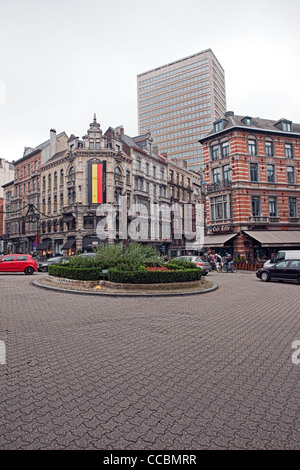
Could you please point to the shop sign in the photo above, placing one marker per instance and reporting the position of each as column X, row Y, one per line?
column 220, row 229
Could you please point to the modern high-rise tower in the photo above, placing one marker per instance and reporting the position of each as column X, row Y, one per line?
column 178, row 103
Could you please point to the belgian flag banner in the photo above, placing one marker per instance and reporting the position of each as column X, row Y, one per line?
column 96, row 183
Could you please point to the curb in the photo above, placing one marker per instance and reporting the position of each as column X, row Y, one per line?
column 116, row 294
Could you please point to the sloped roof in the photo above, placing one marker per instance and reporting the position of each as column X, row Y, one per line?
column 257, row 124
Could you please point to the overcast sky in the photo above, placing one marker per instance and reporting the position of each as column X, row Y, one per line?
column 61, row 61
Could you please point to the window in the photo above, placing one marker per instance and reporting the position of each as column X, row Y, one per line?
column 92, row 146
column 269, row 149
column 248, row 121
column 271, row 173
column 139, row 165
column 141, row 185
column 72, row 174
column 21, row 258
column 162, row 174
column 154, row 190
column 154, row 171
column 273, row 206
column 219, row 125
column 219, row 208
column 61, row 177
column 8, row 258
column 252, row 146
column 49, row 205
column 255, row 206
column 225, row 149
column 127, row 177
column 286, row 126
column 215, row 152
column 61, row 199
column 293, row 207
column 226, row 173
column 288, row 151
column 290, row 174
column 55, row 179
column 49, row 182
column 135, row 183
column 97, row 145
column 147, row 187
column 44, row 183
column 147, row 169
column 117, row 174
column 216, row 175
column 253, row 172
column 171, row 191
column 171, row 175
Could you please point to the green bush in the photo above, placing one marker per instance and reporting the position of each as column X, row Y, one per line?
column 117, row 256
column 153, row 277
column 80, row 274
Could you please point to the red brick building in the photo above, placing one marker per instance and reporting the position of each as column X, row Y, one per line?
column 252, row 181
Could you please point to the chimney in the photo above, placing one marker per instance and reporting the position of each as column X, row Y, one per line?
column 52, row 142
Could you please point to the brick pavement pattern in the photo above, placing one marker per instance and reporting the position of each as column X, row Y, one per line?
column 212, row 371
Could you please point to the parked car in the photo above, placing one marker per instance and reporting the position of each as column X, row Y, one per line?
column 204, row 265
column 286, row 270
column 18, row 263
column 43, row 266
column 88, row 255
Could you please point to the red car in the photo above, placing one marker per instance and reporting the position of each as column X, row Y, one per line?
column 18, row 263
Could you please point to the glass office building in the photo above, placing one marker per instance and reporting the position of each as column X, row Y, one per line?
column 178, row 103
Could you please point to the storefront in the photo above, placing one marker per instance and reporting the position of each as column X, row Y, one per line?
column 220, row 243
column 262, row 243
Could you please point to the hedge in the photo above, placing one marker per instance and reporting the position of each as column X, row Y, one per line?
column 141, row 276
column 153, row 277
column 80, row 274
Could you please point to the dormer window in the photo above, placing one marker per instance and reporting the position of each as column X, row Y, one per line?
column 248, row 121
column 219, row 125
column 287, row 126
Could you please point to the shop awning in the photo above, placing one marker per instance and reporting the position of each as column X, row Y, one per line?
column 89, row 242
column 277, row 238
column 218, row 240
column 69, row 243
column 44, row 244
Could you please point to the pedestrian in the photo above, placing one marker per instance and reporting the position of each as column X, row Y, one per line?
column 218, row 261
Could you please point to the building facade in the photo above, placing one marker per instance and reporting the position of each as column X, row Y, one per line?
column 252, row 176
column 7, row 170
column 178, row 103
column 21, row 227
column 107, row 188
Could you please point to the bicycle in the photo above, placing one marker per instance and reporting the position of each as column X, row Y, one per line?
column 226, row 269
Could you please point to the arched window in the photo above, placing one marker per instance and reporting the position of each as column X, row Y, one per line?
column 55, row 179
column 72, row 174
column 61, row 176
column 117, row 174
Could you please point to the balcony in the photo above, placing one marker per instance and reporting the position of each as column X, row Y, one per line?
column 219, row 186
column 258, row 220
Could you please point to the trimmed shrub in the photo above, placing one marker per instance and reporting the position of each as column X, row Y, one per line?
column 153, row 277
column 80, row 274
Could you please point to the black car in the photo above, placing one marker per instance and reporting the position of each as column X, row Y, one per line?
column 287, row 270
column 43, row 266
